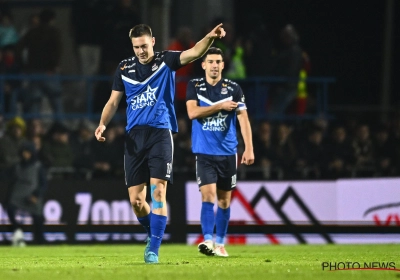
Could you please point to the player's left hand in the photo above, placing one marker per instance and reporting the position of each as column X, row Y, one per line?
column 248, row 157
column 217, row 32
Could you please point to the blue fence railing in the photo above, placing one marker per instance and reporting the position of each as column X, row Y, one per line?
column 257, row 91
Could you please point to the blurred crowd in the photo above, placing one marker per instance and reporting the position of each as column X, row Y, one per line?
column 298, row 150
column 318, row 149
column 99, row 31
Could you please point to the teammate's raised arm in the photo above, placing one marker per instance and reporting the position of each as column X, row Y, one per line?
column 203, row 45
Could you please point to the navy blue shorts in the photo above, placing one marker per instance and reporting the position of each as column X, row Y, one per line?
column 216, row 169
column 148, row 154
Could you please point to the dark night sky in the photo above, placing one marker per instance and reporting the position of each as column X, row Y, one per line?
column 344, row 40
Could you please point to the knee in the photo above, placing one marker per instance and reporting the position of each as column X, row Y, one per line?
column 137, row 203
column 224, row 203
column 158, row 193
column 208, row 197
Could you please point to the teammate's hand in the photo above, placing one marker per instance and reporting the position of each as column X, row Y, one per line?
column 248, row 157
column 217, row 32
column 229, row 105
column 98, row 133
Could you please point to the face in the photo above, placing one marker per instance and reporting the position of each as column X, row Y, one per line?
column 26, row 155
column 213, row 65
column 143, row 48
column 265, row 132
column 339, row 134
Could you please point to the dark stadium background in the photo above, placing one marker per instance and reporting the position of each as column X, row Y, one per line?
column 344, row 40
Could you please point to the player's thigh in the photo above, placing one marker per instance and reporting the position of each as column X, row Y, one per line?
column 227, row 169
column 206, row 172
column 160, row 154
column 135, row 159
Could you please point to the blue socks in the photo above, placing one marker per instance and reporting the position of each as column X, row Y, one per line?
column 145, row 222
column 207, row 220
column 157, row 228
column 222, row 221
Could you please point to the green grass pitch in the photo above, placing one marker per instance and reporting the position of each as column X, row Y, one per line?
column 184, row 262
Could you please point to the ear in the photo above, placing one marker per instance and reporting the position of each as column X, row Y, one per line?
column 222, row 65
column 203, row 65
column 153, row 41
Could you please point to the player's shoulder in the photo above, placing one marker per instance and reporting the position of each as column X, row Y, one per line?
column 230, row 85
column 197, row 82
column 230, row 82
column 127, row 63
column 167, row 53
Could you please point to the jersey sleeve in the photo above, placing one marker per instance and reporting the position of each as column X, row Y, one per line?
column 173, row 59
column 240, row 99
column 118, row 85
column 191, row 91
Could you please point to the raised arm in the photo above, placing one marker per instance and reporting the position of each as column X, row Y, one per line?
column 245, row 129
column 108, row 112
column 202, row 46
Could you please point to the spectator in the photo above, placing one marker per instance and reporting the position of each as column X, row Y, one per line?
column 384, row 152
column 108, row 156
column 2, row 126
column 285, row 150
column 11, row 89
column 36, row 133
column 234, row 52
column 120, row 18
column 82, row 144
column 395, row 139
column 265, row 165
column 29, row 183
column 43, row 46
column 364, row 152
column 8, row 33
column 182, row 42
column 287, row 64
column 311, row 155
column 87, row 24
column 10, row 144
column 58, row 151
column 183, row 157
column 340, row 155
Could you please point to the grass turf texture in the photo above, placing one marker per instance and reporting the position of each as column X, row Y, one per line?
column 184, row 262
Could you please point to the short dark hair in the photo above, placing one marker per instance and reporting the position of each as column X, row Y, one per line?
column 140, row 30
column 213, row 50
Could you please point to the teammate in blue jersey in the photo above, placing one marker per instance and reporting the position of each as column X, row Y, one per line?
column 147, row 80
column 213, row 104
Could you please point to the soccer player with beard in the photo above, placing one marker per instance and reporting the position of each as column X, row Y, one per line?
column 213, row 104
column 147, row 80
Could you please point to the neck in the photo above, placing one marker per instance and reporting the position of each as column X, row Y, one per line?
column 148, row 60
column 212, row 81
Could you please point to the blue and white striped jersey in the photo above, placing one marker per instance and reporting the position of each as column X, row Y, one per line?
column 149, row 90
column 215, row 134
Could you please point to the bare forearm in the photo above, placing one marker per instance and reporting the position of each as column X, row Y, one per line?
column 108, row 113
column 203, row 45
column 245, row 129
column 199, row 112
